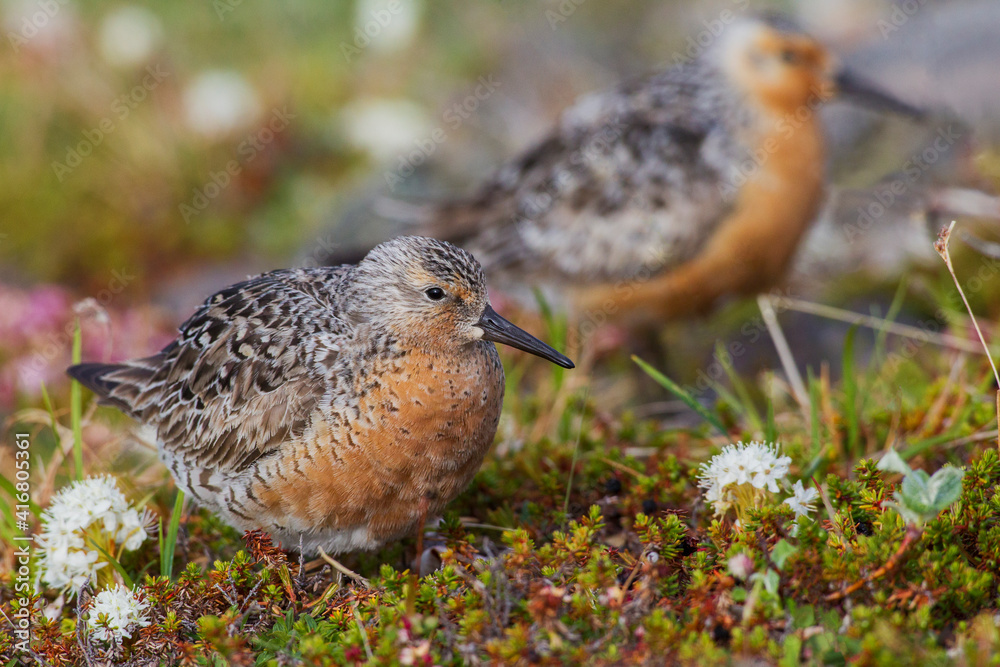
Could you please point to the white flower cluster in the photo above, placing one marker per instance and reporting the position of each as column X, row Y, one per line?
column 123, row 612
column 756, row 464
column 87, row 511
column 802, row 499
column 741, row 473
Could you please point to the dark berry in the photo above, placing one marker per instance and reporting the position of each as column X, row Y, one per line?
column 649, row 506
column 721, row 635
column 613, row 486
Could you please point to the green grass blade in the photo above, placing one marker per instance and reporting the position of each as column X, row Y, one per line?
column 850, row 392
column 814, row 465
column 47, row 402
column 928, row 443
column 8, row 486
column 682, row 394
column 76, row 405
column 115, row 564
column 882, row 335
column 159, row 540
column 576, row 452
column 557, row 330
column 771, row 427
column 728, row 398
column 169, row 544
column 8, row 524
column 814, row 399
column 740, row 387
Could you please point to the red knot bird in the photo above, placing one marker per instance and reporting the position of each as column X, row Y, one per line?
column 663, row 195
column 334, row 408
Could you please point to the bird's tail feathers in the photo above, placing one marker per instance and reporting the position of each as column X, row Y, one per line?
column 115, row 384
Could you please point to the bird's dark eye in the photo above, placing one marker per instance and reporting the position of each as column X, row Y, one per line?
column 790, row 57
column 434, row 293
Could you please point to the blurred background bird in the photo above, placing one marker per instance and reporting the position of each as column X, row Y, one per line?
column 664, row 194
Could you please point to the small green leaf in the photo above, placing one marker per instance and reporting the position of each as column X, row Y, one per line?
column 782, row 550
column 851, row 390
column 113, row 562
column 944, row 488
column 168, row 542
column 771, row 581
column 909, row 516
column 791, row 652
column 802, row 617
column 893, row 462
column 914, row 492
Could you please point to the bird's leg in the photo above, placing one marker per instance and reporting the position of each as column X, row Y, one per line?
column 422, row 508
column 342, row 569
column 302, row 563
column 411, row 597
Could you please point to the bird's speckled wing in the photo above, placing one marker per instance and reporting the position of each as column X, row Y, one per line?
column 631, row 180
column 244, row 375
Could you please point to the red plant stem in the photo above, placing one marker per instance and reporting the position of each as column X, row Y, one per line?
column 913, row 533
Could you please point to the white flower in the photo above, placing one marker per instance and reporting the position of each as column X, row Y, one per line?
column 770, row 468
column 85, row 511
column 388, row 26
column 802, row 499
column 132, row 532
column 52, row 30
column 756, row 464
column 123, row 612
column 718, row 498
column 220, row 102
column 390, row 130
column 129, row 35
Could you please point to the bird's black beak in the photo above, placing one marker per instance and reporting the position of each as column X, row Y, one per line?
column 855, row 89
column 499, row 330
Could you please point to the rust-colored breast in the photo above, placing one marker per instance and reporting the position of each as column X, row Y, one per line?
column 420, row 428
